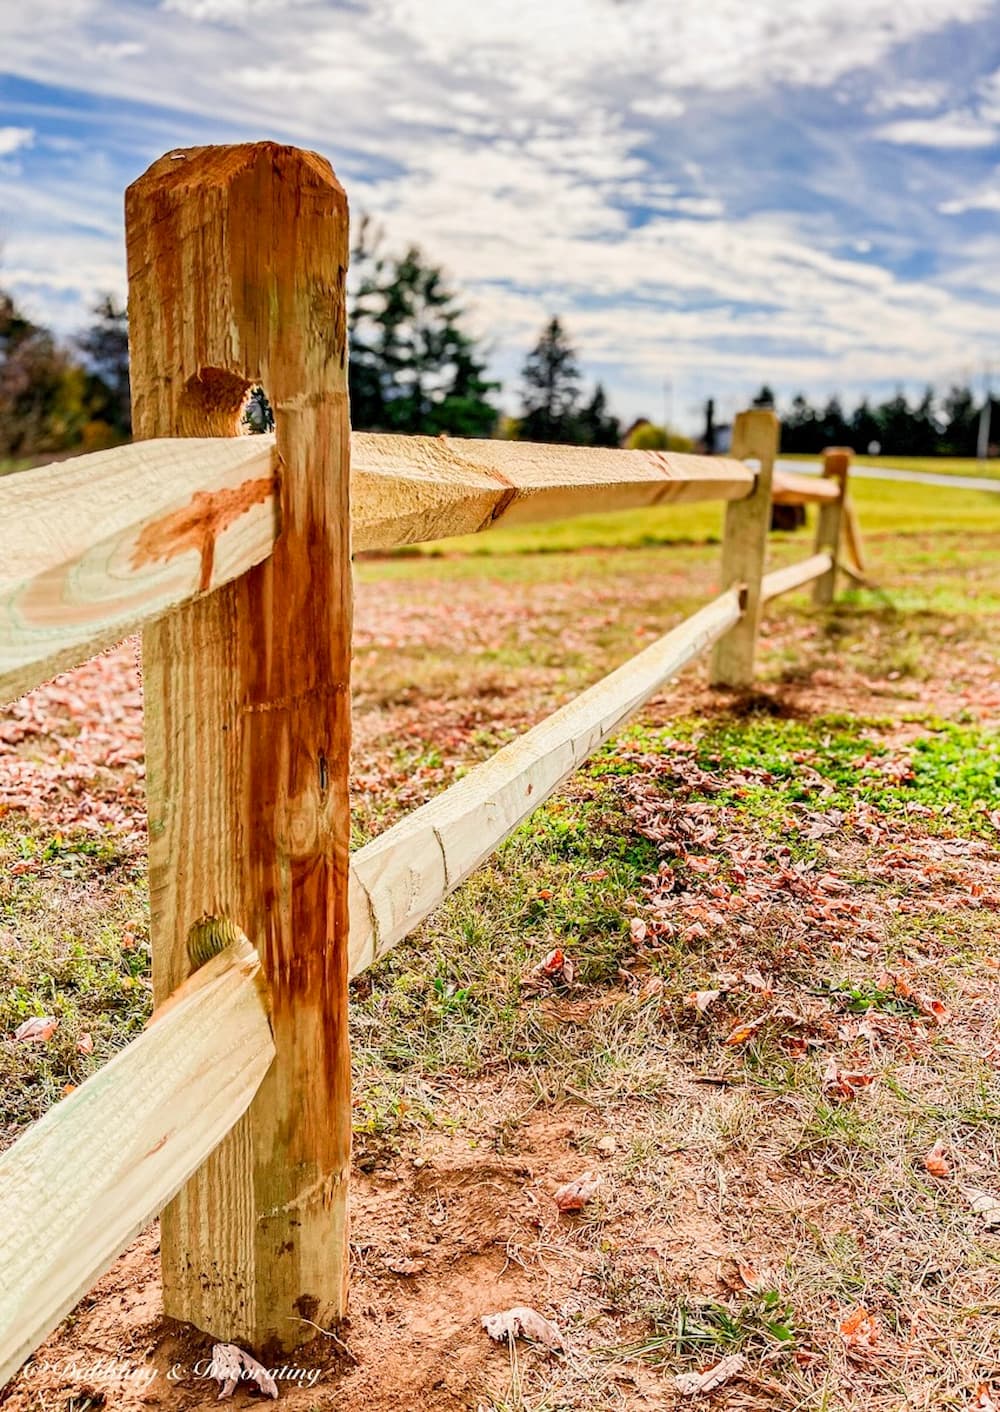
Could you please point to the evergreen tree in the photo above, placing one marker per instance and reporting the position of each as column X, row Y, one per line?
column 551, row 379
column 596, row 426
column 412, row 368
column 865, row 429
column 105, row 348
column 961, row 422
column 764, row 398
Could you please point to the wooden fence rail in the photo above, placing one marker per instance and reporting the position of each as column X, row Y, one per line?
column 233, row 553
column 84, row 1180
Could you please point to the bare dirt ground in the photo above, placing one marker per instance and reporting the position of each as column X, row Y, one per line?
column 776, row 1043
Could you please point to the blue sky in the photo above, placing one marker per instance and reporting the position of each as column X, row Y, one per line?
column 711, row 194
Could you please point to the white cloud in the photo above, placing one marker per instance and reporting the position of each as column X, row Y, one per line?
column 987, row 199
column 949, row 130
column 12, row 139
column 549, row 155
column 122, row 49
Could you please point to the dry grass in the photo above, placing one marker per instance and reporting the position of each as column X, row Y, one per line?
column 822, row 856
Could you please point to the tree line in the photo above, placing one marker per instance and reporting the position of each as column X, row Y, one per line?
column 930, row 426
column 415, row 367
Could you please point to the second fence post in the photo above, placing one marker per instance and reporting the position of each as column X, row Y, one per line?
column 744, row 545
column 237, row 263
column 836, row 464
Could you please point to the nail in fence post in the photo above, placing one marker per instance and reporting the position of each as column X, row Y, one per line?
column 744, row 545
column 836, row 465
column 237, row 260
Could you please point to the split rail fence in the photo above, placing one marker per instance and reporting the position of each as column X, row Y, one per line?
column 231, row 1114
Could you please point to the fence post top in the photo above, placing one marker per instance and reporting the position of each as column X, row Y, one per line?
column 223, row 165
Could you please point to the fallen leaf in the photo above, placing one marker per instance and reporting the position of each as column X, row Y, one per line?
column 748, row 1275
column 702, row 999
column 936, row 1160
column 522, row 1322
column 984, row 1399
column 933, row 1009
column 743, row 1031
column 68, row 1089
column 85, row 1044
column 555, row 967
column 638, row 929
column 38, row 1029
column 693, row 1384
column 844, row 1083
column 598, row 875
column 231, row 1365
column 859, row 1330
column 985, row 1205
column 403, row 1265
column 607, row 1145
column 574, row 1195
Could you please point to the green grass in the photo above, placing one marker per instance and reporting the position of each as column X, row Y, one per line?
column 884, row 507
column 73, row 944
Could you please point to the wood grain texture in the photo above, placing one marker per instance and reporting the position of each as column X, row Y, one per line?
column 401, row 876
column 409, row 489
column 792, row 489
column 756, row 434
column 780, row 581
column 237, row 262
column 84, row 1180
column 93, row 547
column 830, row 524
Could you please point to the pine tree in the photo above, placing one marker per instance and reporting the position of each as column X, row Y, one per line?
column 412, row 368
column 105, row 348
column 551, row 378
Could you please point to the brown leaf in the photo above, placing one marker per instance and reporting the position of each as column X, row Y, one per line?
column 85, row 1044
column 574, row 1195
column 933, row 1009
column 702, row 999
column 859, row 1330
column 37, row 1030
column 748, row 1275
column 522, row 1322
column 231, row 1365
column 403, row 1265
column 844, row 1083
column 936, row 1160
column 743, row 1032
column 985, row 1205
column 555, row 968
column 694, row 1384
column 984, row 1400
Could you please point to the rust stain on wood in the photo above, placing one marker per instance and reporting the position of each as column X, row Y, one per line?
column 199, row 524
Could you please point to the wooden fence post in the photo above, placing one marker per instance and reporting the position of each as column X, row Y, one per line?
column 836, row 464
column 755, row 434
column 237, row 260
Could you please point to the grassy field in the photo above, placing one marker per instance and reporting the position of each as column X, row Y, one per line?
column 780, row 911
column 883, row 506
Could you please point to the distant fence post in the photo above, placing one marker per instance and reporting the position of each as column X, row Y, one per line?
column 756, row 435
column 237, row 259
column 836, row 465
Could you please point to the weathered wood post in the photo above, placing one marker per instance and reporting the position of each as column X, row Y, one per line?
column 744, row 545
column 237, row 259
column 836, row 465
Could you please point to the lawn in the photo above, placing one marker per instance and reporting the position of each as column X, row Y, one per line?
column 775, row 1041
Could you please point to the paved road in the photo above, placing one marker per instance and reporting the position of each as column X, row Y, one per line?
column 808, row 468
